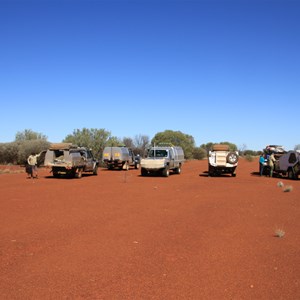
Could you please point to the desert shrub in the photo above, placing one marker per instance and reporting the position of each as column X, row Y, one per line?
column 9, row 153
column 30, row 146
column 17, row 152
column 279, row 232
column 287, row 188
column 251, row 152
column 176, row 138
column 249, row 157
column 199, row 153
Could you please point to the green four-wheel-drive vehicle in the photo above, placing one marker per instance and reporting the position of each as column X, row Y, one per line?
column 70, row 160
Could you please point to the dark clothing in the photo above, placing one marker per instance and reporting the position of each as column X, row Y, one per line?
column 28, row 169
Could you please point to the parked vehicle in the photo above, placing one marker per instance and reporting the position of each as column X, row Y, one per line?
column 222, row 161
column 119, row 157
column 162, row 159
column 288, row 164
column 70, row 160
column 277, row 150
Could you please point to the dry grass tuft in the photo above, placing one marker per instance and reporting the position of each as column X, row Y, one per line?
column 279, row 232
column 287, row 188
column 280, row 184
column 10, row 171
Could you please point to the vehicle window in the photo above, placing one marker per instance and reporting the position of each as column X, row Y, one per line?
column 158, row 153
column 89, row 154
column 292, row 158
column 58, row 153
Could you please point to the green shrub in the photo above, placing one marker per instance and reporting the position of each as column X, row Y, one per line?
column 249, row 157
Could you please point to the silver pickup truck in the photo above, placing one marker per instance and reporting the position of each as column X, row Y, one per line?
column 70, row 160
column 162, row 159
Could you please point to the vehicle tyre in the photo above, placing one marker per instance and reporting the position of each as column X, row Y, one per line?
column 55, row 174
column 291, row 174
column 232, row 158
column 144, row 172
column 95, row 170
column 166, row 172
column 178, row 170
column 211, row 171
column 233, row 174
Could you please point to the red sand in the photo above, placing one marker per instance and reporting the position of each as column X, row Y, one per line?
column 122, row 236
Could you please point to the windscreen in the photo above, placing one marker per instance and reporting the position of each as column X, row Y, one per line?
column 158, row 153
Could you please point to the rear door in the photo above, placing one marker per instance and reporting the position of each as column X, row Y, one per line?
column 172, row 157
column 131, row 156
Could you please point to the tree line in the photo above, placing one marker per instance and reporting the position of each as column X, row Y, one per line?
column 28, row 141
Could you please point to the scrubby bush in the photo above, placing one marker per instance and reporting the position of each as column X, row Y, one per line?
column 9, row 153
column 176, row 138
column 33, row 146
column 249, row 157
column 199, row 153
column 251, row 153
column 17, row 152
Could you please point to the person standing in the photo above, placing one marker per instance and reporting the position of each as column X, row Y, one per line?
column 262, row 164
column 32, row 162
column 271, row 163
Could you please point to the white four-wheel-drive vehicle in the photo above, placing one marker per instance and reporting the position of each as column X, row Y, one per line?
column 288, row 164
column 162, row 159
column 70, row 160
column 222, row 161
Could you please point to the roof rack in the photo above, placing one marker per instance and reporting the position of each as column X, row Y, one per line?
column 164, row 145
column 62, row 146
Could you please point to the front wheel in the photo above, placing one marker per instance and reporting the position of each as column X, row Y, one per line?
column 166, row 172
column 211, row 171
column 55, row 174
column 144, row 172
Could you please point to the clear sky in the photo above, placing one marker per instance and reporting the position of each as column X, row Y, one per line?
column 216, row 70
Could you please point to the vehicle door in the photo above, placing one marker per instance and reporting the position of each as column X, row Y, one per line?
column 131, row 157
column 89, row 161
column 172, row 158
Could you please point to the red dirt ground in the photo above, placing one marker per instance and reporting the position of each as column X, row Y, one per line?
column 122, row 236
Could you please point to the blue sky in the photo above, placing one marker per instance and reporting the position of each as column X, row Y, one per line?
column 216, row 70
